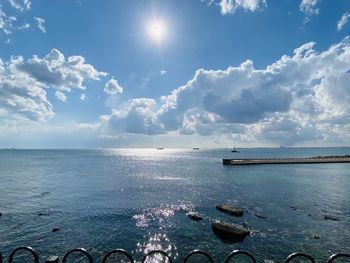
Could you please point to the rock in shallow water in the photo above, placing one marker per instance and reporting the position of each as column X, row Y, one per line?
column 229, row 232
column 230, row 209
column 195, row 216
column 55, row 229
column 331, row 217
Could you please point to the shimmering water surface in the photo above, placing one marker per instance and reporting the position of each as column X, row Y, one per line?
column 136, row 199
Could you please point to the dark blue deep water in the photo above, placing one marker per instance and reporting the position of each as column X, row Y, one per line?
column 136, row 199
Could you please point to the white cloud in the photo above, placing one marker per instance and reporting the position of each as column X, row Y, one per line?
column 24, row 83
column 163, row 72
column 82, row 97
column 56, row 71
column 21, row 5
column 231, row 6
column 40, row 22
column 139, row 117
column 112, row 87
column 343, row 20
column 309, row 7
column 61, row 96
column 299, row 98
column 21, row 96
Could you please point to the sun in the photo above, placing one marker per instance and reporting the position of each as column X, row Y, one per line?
column 157, row 30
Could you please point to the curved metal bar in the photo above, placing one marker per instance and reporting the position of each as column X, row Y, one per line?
column 237, row 253
column 157, row 252
column 80, row 250
column 29, row 249
column 295, row 255
column 338, row 255
column 117, row 251
column 198, row 252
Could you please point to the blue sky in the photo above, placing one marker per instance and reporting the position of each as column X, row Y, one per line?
column 181, row 73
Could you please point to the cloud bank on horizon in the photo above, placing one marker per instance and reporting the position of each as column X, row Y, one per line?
column 300, row 99
column 303, row 97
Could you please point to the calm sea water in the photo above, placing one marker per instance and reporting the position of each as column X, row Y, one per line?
column 136, row 199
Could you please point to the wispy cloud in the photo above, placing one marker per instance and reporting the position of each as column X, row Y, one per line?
column 40, row 22
column 6, row 22
column 309, row 8
column 21, row 5
column 10, row 23
column 61, row 96
column 231, row 6
column 343, row 20
column 24, row 26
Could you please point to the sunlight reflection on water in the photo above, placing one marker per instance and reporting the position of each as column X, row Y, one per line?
column 159, row 216
column 158, row 242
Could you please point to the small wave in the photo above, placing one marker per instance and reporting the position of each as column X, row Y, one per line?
column 169, row 178
column 41, row 194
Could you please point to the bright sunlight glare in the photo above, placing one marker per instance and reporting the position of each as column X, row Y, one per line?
column 157, row 30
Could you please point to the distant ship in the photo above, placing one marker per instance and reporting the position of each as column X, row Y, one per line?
column 160, row 148
column 234, row 150
column 195, row 148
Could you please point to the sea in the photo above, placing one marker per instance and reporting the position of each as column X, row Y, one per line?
column 137, row 200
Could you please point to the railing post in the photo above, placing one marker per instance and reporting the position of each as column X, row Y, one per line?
column 80, row 250
column 118, row 251
column 300, row 255
column 52, row 259
column 154, row 252
column 198, row 252
column 0, row 257
column 237, row 253
column 339, row 255
column 29, row 249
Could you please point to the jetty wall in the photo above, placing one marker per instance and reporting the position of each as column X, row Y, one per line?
column 286, row 160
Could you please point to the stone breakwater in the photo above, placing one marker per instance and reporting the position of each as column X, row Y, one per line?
column 316, row 159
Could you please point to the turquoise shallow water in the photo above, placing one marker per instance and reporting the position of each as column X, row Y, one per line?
column 136, row 199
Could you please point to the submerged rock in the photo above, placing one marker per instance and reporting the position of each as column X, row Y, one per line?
column 245, row 224
column 230, row 209
column 55, row 229
column 315, row 236
column 259, row 216
column 229, row 232
column 330, row 217
column 195, row 216
column 294, row 207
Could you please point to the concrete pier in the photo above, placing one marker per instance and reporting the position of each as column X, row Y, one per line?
column 318, row 159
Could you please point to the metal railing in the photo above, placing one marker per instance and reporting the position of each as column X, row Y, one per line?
column 166, row 258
